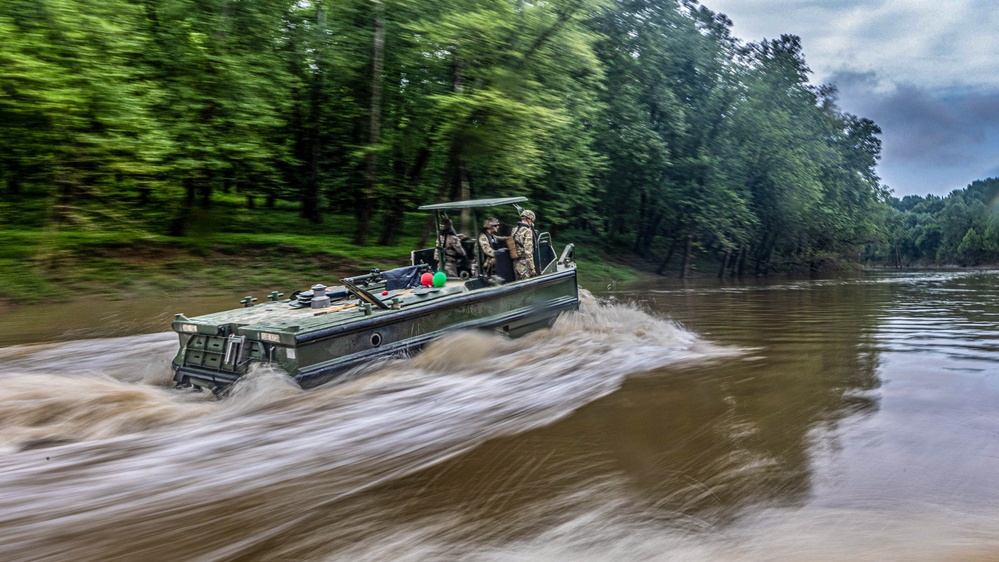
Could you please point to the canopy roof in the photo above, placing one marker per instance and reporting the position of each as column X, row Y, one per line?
column 472, row 204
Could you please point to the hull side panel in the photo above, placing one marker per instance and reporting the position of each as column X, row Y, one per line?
column 320, row 356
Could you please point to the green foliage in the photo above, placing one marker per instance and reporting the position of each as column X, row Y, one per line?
column 314, row 125
column 961, row 228
column 263, row 249
column 76, row 113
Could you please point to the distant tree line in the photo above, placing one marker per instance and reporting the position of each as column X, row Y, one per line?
column 959, row 229
column 643, row 121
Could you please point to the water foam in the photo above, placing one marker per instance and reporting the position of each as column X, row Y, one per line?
column 264, row 458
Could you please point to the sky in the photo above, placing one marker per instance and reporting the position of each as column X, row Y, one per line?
column 926, row 71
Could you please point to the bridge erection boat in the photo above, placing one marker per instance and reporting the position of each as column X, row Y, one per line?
column 321, row 334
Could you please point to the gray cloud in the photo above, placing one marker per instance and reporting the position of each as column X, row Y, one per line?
column 940, row 131
column 924, row 41
column 924, row 70
column 856, row 80
column 934, row 141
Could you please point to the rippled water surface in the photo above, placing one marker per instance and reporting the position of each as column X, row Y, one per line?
column 824, row 419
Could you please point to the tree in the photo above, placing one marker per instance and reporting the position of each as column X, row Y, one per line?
column 501, row 107
column 225, row 90
column 76, row 110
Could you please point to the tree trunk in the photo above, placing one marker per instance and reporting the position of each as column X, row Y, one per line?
column 761, row 255
column 688, row 256
column 65, row 194
column 650, row 233
column 12, row 176
column 394, row 222
column 669, row 256
column 395, row 215
column 393, row 225
column 649, row 222
column 189, row 192
column 464, row 195
column 454, row 177
column 205, row 190
column 721, row 270
column 179, row 223
column 737, row 263
column 769, row 257
column 640, row 231
column 310, row 193
column 365, row 204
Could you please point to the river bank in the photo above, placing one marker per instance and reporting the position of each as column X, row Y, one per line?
column 176, row 269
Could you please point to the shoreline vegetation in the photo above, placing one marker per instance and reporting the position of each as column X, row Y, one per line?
column 231, row 249
column 68, row 265
column 646, row 127
column 234, row 248
column 176, row 145
column 146, row 268
column 121, row 272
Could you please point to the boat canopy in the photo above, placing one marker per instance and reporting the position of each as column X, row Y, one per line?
column 472, row 204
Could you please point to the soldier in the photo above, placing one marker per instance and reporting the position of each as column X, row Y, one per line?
column 526, row 239
column 489, row 242
column 454, row 253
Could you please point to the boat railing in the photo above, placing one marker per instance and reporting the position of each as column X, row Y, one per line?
column 364, row 295
column 376, row 275
column 358, row 284
column 546, row 254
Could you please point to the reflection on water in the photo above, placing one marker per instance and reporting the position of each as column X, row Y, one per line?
column 94, row 318
column 834, row 419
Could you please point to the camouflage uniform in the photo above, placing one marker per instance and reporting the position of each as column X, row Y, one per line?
column 524, row 235
column 488, row 243
column 453, row 254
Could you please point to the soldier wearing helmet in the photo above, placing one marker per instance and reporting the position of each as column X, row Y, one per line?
column 489, row 242
column 526, row 240
column 450, row 242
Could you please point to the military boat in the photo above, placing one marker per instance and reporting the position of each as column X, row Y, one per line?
column 322, row 334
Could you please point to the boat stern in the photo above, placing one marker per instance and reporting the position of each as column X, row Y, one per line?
column 214, row 356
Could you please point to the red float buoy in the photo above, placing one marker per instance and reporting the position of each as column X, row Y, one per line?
column 427, row 279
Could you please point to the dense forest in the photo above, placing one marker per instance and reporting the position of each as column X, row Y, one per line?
column 961, row 228
column 645, row 123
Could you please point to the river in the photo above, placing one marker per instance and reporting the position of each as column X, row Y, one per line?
column 848, row 418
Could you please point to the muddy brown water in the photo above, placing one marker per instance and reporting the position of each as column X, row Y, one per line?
column 850, row 418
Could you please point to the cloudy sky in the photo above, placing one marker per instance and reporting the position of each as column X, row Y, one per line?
column 926, row 71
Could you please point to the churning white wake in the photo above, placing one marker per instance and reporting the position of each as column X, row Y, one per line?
column 105, row 465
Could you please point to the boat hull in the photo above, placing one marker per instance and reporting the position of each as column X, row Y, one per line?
column 327, row 354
